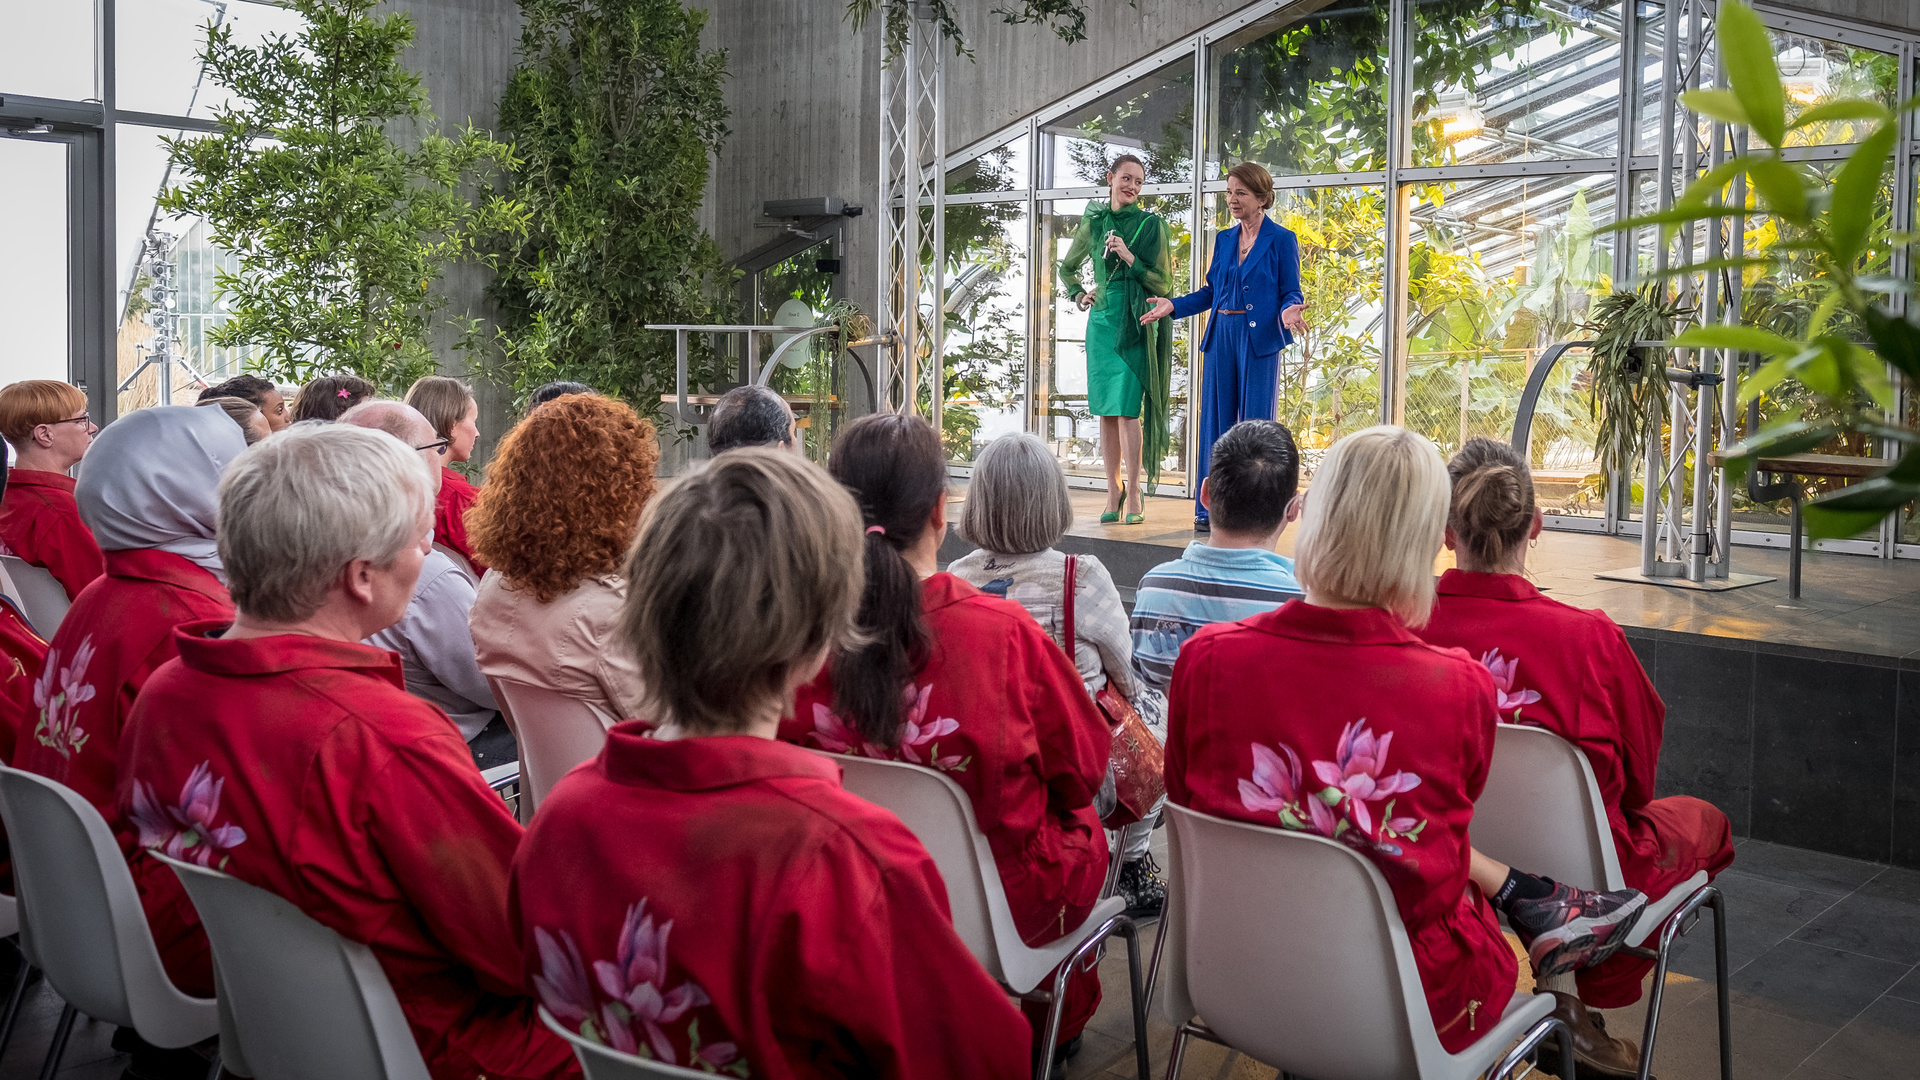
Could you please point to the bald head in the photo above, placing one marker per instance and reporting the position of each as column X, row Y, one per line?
column 403, row 422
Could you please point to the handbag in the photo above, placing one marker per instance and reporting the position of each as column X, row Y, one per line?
column 1137, row 760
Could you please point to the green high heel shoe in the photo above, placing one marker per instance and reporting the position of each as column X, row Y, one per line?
column 1111, row 516
column 1132, row 519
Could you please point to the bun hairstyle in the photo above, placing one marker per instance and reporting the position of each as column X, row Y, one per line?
column 1492, row 509
column 897, row 472
column 1122, row 160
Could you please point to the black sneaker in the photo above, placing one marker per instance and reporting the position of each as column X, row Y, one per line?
column 1574, row 928
column 1144, row 888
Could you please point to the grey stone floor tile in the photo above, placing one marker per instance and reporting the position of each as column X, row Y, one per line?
column 1812, row 983
column 1908, row 988
column 1761, row 913
column 1883, row 1041
column 1806, row 869
column 1766, row 1046
column 1869, row 925
column 1895, row 883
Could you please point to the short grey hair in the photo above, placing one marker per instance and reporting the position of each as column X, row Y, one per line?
column 1017, row 500
column 301, row 505
column 749, row 415
column 396, row 418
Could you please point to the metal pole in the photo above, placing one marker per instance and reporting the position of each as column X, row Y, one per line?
column 888, row 321
column 909, row 313
column 1701, row 542
column 107, row 278
column 1393, row 409
column 937, row 333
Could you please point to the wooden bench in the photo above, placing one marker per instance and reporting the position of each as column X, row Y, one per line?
column 1828, row 466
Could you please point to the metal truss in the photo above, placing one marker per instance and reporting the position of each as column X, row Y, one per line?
column 913, row 202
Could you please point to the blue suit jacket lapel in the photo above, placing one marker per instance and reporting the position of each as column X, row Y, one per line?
column 1268, row 231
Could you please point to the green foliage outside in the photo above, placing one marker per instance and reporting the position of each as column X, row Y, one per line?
column 1066, row 18
column 1829, row 234
column 338, row 226
column 614, row 111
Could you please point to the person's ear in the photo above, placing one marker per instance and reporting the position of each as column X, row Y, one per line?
column 357, row 580
column 937, row 521
column 1539, row 522
column 1206, row 493
column 1453, row 542
column 1295, row 505
column 43, row 436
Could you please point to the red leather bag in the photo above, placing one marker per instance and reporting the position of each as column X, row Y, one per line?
column 1137, row 759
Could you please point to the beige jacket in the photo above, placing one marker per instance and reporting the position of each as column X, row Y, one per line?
column 568, row 646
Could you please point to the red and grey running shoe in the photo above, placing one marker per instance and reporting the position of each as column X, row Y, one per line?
column 1574, row 928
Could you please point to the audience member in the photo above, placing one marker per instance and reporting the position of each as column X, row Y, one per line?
column 810, row 932
column 272, row 404
column 47, row 424
column 555, row 521
column 326, row 397
column 947, row 677
column 553, row 390
column 1234, row 573
column 1017, row 508
column 1582, row 681
column 253, row 422
column 284, row 752
column 751, row 416
column 449, row 406
column 1335, row 681
column 149, row 492
column 435, row 647
column 23, row 652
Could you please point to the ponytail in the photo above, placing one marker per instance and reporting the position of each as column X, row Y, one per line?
column 897, row 472
column 1492, row 509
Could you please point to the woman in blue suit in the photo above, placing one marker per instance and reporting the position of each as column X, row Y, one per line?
column 1253, row 290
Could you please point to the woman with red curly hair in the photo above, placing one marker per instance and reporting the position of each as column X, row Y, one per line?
column 554, row 521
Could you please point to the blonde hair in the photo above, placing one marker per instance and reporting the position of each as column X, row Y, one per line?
column 1373, row 522
column 27, row 404
column 741, row 571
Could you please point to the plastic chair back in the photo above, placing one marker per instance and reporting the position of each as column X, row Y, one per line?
column 1305, row 964
column 306, row 1003
column 605, row 1063
column 555, row 733
column 83, row 923
column 1542, row 809
column 41, row 596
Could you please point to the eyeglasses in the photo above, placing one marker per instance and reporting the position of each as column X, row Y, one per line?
column 438, row 446
column 82, row 419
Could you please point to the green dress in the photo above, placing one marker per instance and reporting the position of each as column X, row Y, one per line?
column 1129, row 366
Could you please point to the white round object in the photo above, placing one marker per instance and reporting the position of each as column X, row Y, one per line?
column 794, row 312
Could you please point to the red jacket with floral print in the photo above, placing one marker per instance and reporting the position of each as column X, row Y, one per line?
column 723, row 903
column 457, row 496
column 40, row 522
column 1002, row 712
column 1571, row 671
column 302, row 765
column 23, row 654
column 1345, row 724
column 116, row 634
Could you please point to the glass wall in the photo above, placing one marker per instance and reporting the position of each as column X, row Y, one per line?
column 1449, row 239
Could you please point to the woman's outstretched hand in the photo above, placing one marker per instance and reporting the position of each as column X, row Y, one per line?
column 1162, row 307
column 1294, row 318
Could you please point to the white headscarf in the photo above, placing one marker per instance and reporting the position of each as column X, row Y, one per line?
column 151, row 480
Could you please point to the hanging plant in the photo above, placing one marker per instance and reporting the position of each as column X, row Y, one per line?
column 1629, row 384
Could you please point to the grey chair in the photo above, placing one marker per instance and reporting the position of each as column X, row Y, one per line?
column 40, row 594
column 81, row 921
column 304, row 1003
column 605, row 1063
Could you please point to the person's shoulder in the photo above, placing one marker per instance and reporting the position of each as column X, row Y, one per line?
column 842, row 821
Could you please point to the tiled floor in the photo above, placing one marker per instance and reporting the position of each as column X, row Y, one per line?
column 1825, row 961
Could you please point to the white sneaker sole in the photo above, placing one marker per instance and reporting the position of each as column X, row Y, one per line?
column 1572, row 946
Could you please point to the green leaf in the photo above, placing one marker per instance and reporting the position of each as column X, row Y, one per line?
column 1828, row 523
column 1701, row 191
column 1895, row 339
column 1747, row 51
column 1782, row 189
column 1792, row 437
column 1676, row 214
column 1763, row 380
column 1843, row 109
column 1744, row 338
column 1851, row 213
column 1718, row 104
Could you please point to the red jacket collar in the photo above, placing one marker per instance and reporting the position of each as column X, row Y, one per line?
column 943, row 589
column 148, row 564
column 39, row 478
column 280, row 653
column 703, row 764
column 453, row 477
column 1357, row 626
column 1487, row 586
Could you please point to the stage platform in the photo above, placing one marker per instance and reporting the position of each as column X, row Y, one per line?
column 1799, row 718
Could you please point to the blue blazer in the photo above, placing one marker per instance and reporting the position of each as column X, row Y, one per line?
column 1268, row 282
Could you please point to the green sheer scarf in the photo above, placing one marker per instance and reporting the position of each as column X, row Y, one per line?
column 1147, row 351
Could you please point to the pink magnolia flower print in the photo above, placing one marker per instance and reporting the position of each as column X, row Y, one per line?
column 187, row 830
column 59, row 726
column 634, row 1009
column 1355, row 778
column 919, row 737
column 1503, row 670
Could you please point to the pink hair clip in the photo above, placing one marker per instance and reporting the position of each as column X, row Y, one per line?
column 871, row 529
column 344, row 393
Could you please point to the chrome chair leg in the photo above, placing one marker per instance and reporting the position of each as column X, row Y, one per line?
column 1531, row 1041
column 1677, row 926
column 61, row 1034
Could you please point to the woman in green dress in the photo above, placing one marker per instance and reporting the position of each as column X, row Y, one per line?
column 1129, row 366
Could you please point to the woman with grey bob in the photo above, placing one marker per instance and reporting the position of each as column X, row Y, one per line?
column 1017, row 509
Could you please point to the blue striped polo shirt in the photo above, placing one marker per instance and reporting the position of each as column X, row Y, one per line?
column 1205, row 585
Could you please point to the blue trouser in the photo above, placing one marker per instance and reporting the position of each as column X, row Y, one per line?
column 1234, row 386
